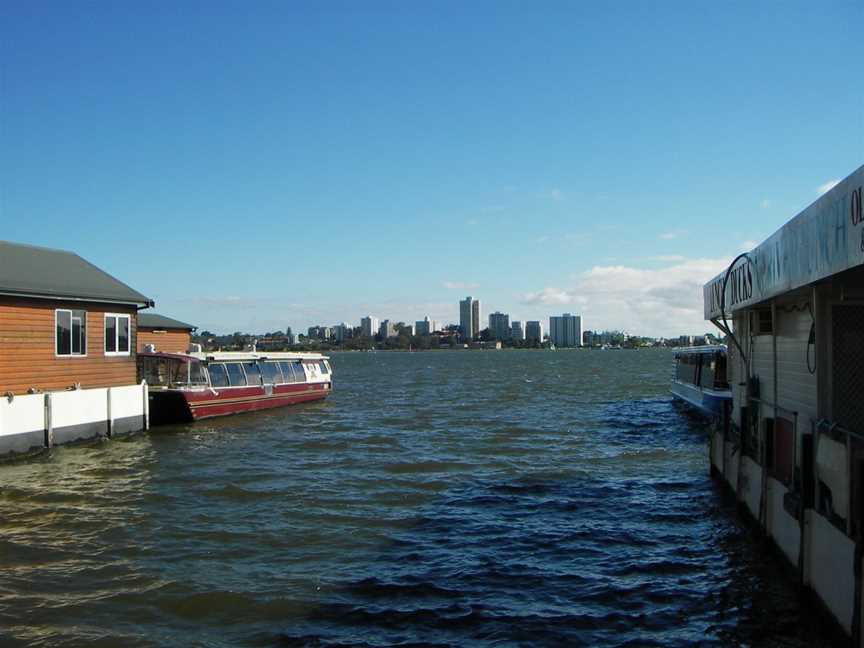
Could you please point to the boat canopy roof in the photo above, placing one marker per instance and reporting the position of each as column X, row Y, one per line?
column 238, row 356
column 235, row 356
column 701, row 350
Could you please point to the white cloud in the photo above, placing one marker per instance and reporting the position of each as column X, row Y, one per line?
column 825, row 187
column 672, row 234
column 551, row 297
column 748, row 245
column 765, row 204
column 663, row 301
column 460, row 285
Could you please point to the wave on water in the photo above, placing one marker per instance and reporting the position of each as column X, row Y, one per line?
column 465, row 499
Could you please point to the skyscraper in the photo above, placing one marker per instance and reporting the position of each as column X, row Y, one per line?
column 534, row 331
column 499, row 326
column 469, row 318
column 566, row 330
column 386, row 329
column 425, row 326
column 516, row 332
column 369, row 326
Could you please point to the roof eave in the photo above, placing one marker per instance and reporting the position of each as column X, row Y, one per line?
column 145, row 302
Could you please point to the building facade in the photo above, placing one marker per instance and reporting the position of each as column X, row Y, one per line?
column 425, row 326
column 369, row 326
column 469, row 318
column 163, row 333
column 499, row 326
column 386, row 329
column 517, row 334
column 533, row 331
column 565, row 330
column 68, row 345
column 341, row 332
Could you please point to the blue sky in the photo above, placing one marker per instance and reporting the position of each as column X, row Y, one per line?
column 257, row 165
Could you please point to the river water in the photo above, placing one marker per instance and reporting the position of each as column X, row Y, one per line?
column 438, row 498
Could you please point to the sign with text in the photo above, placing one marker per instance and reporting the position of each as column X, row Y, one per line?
column 824, row 239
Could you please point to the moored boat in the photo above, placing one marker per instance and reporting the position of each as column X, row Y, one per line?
column 700, row 379
column 191, row 386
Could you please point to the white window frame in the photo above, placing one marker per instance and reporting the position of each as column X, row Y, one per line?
column 117, row 316
column 71, row 328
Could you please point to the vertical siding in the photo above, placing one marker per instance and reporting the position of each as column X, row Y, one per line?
column 796, row 387
column 27, row 339
column 167, row 341
column 762, row 365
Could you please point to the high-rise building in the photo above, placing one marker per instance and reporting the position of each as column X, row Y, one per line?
column 369, row 326
column 475, row 318
column 386, row 329
column 499, row 326
column 319, row 332
column 534, row 331
column 469, row 318
column 425, row 326
column 566, row 330
column 341, row 332
column 516, row 332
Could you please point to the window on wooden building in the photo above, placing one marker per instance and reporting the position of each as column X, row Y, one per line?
column 116, row 334
column 71, row 332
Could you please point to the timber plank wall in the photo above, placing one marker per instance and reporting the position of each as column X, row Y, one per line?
column 27, row 341
column 167, row 341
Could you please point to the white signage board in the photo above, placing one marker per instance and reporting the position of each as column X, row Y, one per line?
column 824, row 239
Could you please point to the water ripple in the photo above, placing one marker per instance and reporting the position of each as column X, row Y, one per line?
column 436, row 499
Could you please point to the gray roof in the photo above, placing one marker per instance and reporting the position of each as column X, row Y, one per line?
column 31, row 271
column 157, row 321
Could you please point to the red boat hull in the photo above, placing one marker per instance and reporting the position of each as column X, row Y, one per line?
column 182, row 405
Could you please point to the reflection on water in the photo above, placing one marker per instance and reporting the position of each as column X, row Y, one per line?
column 443, row 498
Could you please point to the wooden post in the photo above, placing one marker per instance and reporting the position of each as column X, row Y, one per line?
column 49, row 424
column 110, row 418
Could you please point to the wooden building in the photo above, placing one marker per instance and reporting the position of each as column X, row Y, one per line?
column 63, row 322
column 163, row 333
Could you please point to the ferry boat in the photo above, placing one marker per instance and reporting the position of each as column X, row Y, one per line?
column 185, row 387
column 700, row 379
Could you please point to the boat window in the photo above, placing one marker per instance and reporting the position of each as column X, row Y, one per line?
column 179, row 373
column 235, row 374
column 706, row 376
column 196, row 373
column 218, row 375
column 720, row 381
column 287, row 374
column 688, row 367
column 323, row 366
column 299, row 372
column 153, row 370
column 253, row 373
column 271, row 373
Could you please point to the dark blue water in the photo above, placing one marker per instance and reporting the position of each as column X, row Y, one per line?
column 441, row 498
